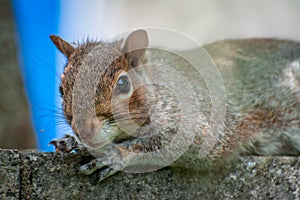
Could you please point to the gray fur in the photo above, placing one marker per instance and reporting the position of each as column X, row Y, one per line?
column 261, row 78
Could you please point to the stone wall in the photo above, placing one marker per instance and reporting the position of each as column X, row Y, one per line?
column 33, row 175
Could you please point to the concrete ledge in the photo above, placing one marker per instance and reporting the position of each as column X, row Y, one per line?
column 33, row 175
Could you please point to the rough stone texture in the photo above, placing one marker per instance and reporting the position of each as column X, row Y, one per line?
column 32, row 175
column 10, row 165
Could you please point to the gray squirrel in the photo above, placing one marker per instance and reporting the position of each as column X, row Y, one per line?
column 261, row 79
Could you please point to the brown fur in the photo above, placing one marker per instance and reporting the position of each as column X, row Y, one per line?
column 262, row 113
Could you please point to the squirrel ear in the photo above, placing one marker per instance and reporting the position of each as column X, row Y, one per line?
column 136, row 44
column 63, row 46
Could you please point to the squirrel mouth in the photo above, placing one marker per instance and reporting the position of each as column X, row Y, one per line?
column 122, row 133
column 122, row 137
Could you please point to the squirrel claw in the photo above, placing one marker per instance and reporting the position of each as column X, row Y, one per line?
column 106, row 173
column 96, row 164
column 65, row 144
column 91, row 167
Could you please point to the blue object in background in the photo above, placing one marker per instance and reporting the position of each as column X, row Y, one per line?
column 36, row 20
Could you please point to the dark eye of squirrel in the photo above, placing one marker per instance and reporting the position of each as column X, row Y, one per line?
column 123, row 85
column 61, row 91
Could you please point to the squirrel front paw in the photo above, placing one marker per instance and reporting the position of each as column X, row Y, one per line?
column 66, row 144
column 96, row 164
column 110, row 160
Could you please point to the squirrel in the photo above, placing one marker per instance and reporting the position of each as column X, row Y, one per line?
column 262, row 84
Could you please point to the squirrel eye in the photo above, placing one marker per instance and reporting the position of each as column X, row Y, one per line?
column 123, row 85
column 61, row 91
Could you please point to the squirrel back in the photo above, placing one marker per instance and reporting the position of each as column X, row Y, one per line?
column 261, row 78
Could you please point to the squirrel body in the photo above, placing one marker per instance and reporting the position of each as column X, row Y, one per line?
column 261, row 79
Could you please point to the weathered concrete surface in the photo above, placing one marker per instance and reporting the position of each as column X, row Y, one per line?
column 10, row 165
column 32, row 175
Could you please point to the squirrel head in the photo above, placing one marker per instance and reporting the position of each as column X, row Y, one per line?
column 115, row 60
